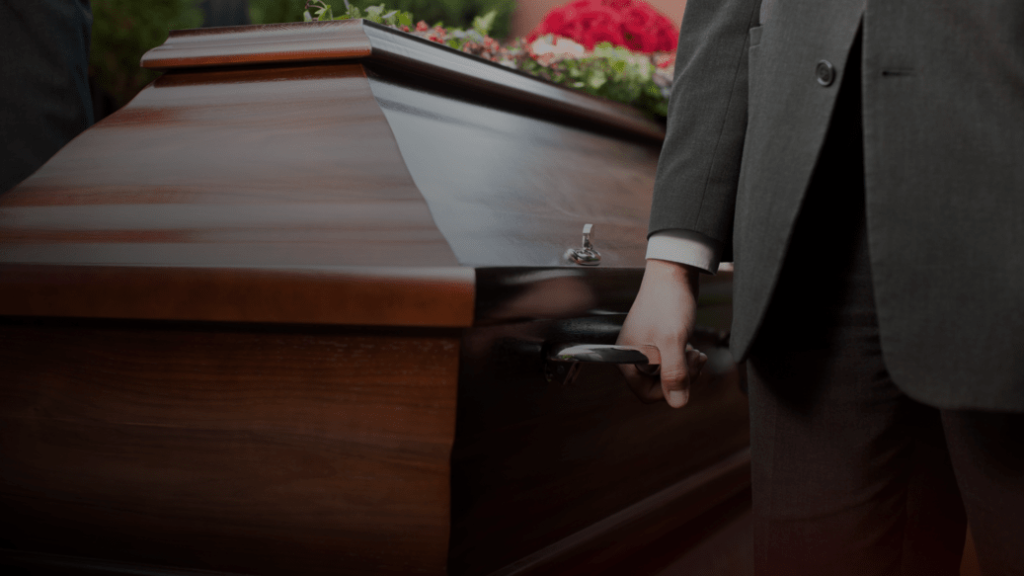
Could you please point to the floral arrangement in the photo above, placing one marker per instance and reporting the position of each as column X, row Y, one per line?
column 622, row 50
column 319, row 10
column 629, row 23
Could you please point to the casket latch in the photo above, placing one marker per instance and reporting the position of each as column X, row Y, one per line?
column 587, row 255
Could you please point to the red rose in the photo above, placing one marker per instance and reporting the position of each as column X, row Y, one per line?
column 630, row 23
column 635, row 24
column 667, row 39
column 601, row 24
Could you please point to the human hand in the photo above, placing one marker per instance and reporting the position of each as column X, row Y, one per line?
column 663, row 315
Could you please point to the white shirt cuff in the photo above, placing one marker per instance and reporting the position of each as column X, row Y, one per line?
column 685, row 247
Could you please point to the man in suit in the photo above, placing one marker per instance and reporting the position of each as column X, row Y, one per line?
column 44, row 81
column 862, row 163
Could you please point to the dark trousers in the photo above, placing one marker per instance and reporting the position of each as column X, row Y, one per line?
column 850, row 475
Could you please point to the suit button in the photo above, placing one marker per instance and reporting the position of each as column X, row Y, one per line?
column 825, row 72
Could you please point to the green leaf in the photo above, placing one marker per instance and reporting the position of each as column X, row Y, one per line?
column 483, row 24
column 324, row 13
column 373, row 13
column 307, row 17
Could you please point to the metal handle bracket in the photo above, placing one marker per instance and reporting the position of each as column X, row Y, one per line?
column 587, row 255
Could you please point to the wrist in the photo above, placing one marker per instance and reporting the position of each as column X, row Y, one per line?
column 669, row 271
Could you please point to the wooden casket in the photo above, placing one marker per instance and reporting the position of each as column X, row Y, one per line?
column 288, row 313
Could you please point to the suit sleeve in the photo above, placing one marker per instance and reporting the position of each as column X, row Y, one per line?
column 685, row 247
column 699, row 167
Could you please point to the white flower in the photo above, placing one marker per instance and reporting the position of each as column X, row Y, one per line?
column 559, row 48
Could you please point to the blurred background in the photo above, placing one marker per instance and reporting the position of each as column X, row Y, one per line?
column 123, row 30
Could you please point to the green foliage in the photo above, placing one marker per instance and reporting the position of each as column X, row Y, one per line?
column 320, row 11
column 123, row 30
column 483, row 24
column 454, row 13
column 611, row 72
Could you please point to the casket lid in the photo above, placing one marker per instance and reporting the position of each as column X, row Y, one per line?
column 275, row 174
column 361, row 40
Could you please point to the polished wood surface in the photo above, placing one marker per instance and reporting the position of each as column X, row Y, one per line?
column 273, row 191
column 237, row 316
column 535, row 463
column 508, row 295
column 286, row 183
column 522, row 187
column 257, row 450
column 369, row 296
column 628, row 541
column 264, row 44
column 378, row 45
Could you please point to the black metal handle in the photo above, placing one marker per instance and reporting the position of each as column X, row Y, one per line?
column 605, row 353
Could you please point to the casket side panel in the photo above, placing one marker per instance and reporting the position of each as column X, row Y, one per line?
column 263, row 451
column 371, row 296
column 535, row 462
column 243, row 174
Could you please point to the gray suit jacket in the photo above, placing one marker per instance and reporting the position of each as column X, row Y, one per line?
column 943, row 114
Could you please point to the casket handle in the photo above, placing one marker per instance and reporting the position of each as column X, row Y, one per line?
column 605, row 353
column 564, row 360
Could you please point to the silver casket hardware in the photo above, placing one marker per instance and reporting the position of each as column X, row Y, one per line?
column 587, row 255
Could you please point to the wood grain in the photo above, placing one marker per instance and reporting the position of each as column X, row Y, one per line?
column 369, row 296
column 374, row 44
column 259, row 45
column 535, row 463
column 624, row 539
column 285, row 182
column 259, row 451
column 254, row 217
